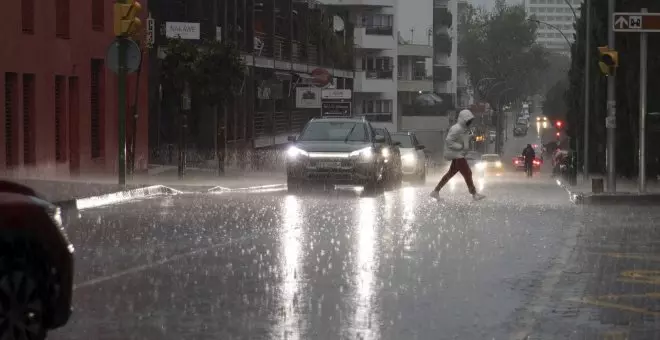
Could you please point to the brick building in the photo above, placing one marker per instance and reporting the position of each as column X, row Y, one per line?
column 59, row 99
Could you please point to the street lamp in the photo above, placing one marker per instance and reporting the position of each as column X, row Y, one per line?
column 499, row 120
column 553, row 27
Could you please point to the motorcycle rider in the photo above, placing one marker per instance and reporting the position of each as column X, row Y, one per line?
column 455, row 151
column 529, row 155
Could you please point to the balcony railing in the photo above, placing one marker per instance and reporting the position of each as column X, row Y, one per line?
column 415, row 77
column 375, row 74
column 379, row 30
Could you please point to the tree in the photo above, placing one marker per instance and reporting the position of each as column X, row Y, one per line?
column 212, row 71
column 219, row 76
column 555, row 107
column 501, row 45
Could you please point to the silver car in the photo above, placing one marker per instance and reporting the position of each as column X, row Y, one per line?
column 413, row 158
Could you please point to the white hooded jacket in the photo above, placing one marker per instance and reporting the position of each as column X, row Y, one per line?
column 455, row 144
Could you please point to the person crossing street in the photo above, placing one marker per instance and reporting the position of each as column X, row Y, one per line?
column 456, row 151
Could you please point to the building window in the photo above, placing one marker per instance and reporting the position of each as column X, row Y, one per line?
column 60, row 119
column 97, row 108
column 62, row 19
column 98, row 19
column 378, row 67
column 11, row 101
column 376, row 106
column 27, row 16
column 29, row 137
column 378, row 24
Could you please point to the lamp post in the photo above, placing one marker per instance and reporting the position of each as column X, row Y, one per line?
column 553, row 27
column 498, row 134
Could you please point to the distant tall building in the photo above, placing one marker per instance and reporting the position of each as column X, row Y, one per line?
column 557, row 13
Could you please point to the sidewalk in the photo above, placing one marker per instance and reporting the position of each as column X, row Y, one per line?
column 67, row 188
column 608, row 287
column 626, row 191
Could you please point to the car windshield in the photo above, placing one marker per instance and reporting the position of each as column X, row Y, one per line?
column 405, row 140
column 490, row 158
column 335, row 131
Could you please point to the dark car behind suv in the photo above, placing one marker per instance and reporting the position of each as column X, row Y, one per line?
column 337, row 151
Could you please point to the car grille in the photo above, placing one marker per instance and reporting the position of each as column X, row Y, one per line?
column 330, row 163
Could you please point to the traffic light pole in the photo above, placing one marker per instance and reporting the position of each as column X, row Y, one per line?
column 121, row 112
column 587, row 94
column 643, row 61
column 610, row 121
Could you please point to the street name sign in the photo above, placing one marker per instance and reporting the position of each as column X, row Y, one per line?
column 636, row 22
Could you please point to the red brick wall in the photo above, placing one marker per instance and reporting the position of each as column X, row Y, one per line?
column 45, row 56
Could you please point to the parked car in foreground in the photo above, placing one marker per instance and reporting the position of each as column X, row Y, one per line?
column 36, row 265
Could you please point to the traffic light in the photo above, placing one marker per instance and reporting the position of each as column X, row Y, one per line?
column 126, row 21
column 608, row 60
column 559, row 124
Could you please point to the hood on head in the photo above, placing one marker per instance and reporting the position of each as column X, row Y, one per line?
column 464, row 116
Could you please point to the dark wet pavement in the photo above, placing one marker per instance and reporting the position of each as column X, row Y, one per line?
column 267, row 265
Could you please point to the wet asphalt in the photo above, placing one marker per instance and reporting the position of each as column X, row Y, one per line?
column 524, row 263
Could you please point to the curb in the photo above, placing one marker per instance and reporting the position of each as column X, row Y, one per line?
column 261, row 188
column 610, row 198
column 115, row 197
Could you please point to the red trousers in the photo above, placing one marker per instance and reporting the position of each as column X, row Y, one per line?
column 458, row 165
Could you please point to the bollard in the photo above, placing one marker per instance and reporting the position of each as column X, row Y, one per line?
column 597, row 186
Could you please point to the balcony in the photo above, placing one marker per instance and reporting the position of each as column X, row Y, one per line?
column 375, row 38
column 442, row 43
column 416, row 83
column 372, row 3
column 413, row 50
column 442, row 73
column 374, row 82
column 442, row 17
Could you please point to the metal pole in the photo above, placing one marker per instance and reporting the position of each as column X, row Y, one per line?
column 587, row 94
column 643, row 60
column 121, row 112
column 610, row 122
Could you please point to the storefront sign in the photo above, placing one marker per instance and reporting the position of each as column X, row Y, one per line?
column 308, row 97
column 182, row 30
column 336, row 109
column 333, row 94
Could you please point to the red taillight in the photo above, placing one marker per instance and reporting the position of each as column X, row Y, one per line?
column 516, row 161
column 536, row 163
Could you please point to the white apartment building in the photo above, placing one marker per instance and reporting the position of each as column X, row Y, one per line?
column 445, row 49
column 375, row 38
column 557, row 13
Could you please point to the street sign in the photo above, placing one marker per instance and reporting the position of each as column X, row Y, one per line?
column 151, row 31
column 336, row 109
column 133, row 56
column 636, row 22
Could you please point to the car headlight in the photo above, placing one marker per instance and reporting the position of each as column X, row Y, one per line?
column 294, row 153
column 385, row 152
column 365, row 154
column 481, row 165
column 498, row 164
column 409, row 159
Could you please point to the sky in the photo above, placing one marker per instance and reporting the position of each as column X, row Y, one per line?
column 418, row 14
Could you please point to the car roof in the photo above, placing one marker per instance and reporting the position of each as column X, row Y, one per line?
column 490, row 155
column 339, row 120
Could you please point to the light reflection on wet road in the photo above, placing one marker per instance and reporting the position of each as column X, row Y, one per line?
column 319, row 266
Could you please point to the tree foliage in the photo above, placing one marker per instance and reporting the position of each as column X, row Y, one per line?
column 501, row 45
column 555, row 106
column 213, row 69
column 219, row 72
